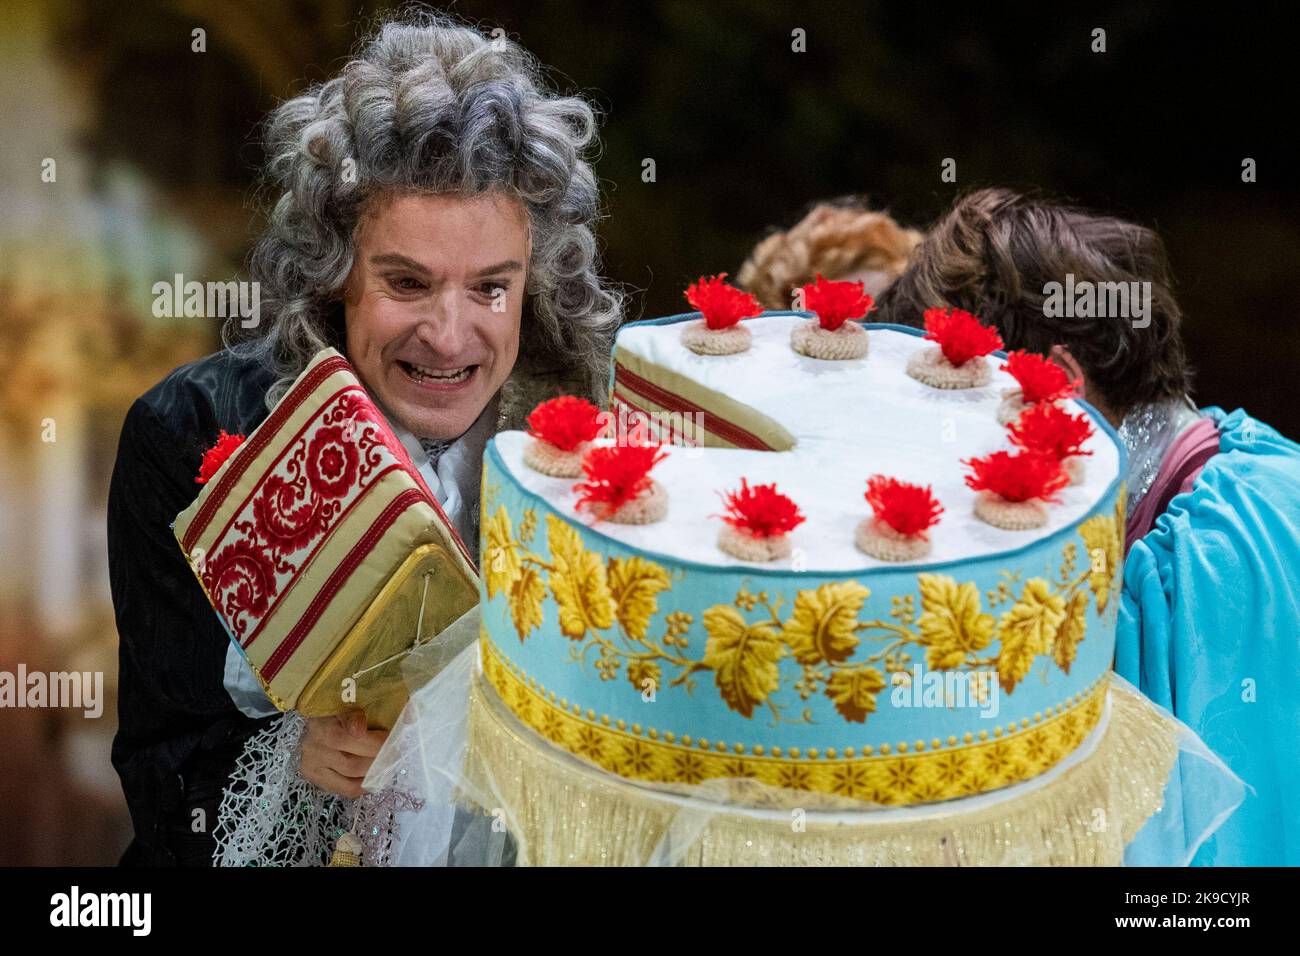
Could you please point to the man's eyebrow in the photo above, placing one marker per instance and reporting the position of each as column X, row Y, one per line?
column 509, row 265
column 405, row 262
column 397, row 259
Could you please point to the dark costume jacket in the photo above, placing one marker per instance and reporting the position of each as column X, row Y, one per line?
column 179, row 733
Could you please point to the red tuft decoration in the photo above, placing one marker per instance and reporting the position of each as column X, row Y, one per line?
column 1040, row 379
column 1050, row 429
column 615, row 475
column 908, row 509
column 761, row 510
column 565, row 422
column 215, row 456
column 1018, row 477
column 960, row 335
column 836, row 302
column 722, row 305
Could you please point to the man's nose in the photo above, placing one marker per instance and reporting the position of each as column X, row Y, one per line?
column 444, row 327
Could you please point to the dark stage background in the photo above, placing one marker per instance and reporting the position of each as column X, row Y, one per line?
column 745, row 133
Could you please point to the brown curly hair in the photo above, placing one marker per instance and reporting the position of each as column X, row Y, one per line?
column 836, row 239
column 993, row 254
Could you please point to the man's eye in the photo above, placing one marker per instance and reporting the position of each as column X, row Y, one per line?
column 493, row 288
column 406, row 284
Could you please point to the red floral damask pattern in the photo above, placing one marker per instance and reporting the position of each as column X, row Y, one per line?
column 322, row 473
column 241, row 578
column 332, row 462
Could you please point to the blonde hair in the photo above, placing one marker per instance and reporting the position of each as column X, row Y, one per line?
column 834, row 239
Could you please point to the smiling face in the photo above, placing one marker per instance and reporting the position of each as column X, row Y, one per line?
column 433, row 304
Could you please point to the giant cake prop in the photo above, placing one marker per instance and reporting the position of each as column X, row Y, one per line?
column 322, row 550
column 884, row 641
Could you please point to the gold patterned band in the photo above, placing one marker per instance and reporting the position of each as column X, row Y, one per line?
column 921, row 772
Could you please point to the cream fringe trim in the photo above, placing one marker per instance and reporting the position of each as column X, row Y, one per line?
column 564, row 812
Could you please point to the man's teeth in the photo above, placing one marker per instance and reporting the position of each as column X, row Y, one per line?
column 439, row 375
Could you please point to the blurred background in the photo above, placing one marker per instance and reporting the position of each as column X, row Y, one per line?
column 155, row 150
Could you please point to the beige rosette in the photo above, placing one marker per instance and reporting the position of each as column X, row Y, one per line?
column 542, row 456
column 702, row 340
column 1009, row 515
column 646, row 508
column 877, row 539
column 931, row 368
column 748, row 547
column 849, row 341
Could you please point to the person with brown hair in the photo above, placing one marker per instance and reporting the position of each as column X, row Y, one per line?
column 1209, row 623
column 842, row 239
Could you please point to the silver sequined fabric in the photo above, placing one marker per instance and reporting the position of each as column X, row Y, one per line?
column 1147, row 432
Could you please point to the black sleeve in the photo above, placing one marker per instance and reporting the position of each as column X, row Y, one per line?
column 179, row 734
column 172, row 645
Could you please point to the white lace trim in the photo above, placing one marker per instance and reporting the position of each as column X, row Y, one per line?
column 271, row 816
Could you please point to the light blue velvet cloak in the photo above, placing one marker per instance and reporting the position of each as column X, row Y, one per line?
column 1209, row 628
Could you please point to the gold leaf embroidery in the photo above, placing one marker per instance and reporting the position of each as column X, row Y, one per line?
column 952, row 623
column 592, row 593
column 640, row 671
column 501, row 561
column 742, row 657
column 527, row 526
column 1102, row 539
column 634, row 582
column 578, row 582
column 854, row 689
column 526, row 596
column 1027, row 630
column 1071, row 632
column 821, row 627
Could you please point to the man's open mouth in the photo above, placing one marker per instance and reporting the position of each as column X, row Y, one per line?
column 436, row 376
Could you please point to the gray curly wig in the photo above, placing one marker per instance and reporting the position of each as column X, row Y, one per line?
column 429, row 105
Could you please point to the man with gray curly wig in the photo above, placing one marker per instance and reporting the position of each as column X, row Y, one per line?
column 431, row 213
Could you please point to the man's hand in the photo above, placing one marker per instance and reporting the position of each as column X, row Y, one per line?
column 337, row 752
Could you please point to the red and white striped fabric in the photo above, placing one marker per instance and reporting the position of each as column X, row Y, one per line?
column 301, row 529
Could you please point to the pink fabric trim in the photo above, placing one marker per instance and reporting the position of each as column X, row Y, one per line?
column 1182, row 464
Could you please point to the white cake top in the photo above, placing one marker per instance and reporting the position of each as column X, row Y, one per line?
column 851, row 419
